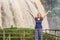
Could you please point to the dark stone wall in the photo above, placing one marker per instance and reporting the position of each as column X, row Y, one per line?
column 54, row 16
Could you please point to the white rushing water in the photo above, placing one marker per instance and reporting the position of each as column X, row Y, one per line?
column 17, row 13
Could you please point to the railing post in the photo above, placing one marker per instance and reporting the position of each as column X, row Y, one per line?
column 9, row 37
column 56, row 34
column 45, row 32
column 24, row 35
column 3, row 34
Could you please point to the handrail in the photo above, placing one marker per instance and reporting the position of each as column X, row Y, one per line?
column 53, row 29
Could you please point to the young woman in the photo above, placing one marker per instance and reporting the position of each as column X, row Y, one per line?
column 38, row 27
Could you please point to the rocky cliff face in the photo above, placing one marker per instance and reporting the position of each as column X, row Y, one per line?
column 54, row 16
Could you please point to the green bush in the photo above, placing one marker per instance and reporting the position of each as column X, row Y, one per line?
column 19, row 33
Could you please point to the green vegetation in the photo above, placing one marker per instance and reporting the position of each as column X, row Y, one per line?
column 22, row 33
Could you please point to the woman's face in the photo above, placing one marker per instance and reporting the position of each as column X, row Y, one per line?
column 38, row 15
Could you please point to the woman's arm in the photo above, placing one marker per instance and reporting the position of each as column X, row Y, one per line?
column 31, row 14
column 46, row 14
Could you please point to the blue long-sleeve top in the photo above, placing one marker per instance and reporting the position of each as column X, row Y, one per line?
column 38, row 23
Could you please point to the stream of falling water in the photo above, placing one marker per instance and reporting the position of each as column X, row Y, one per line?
column 14, row 12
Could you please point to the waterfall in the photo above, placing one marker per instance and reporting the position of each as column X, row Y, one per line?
column 7, row 18
column 0, row 16
column 18, row 13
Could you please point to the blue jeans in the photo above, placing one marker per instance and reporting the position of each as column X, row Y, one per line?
column 38, row 34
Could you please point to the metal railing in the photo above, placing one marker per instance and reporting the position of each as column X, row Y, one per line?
column 4, row 35
column 55, row 31
column 20, row 35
